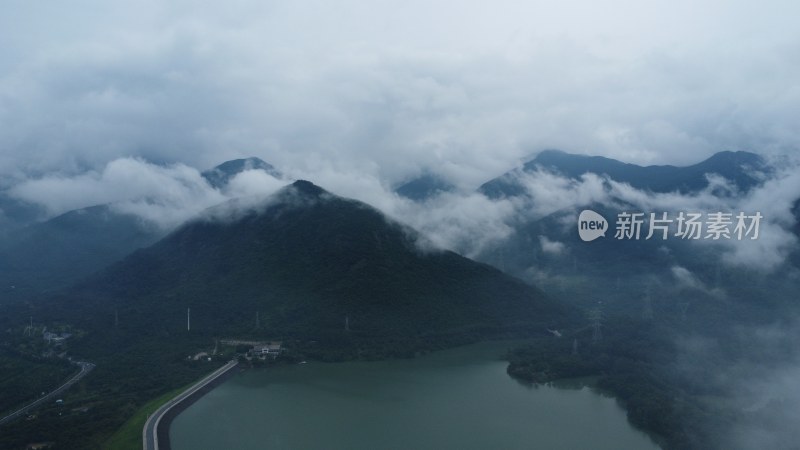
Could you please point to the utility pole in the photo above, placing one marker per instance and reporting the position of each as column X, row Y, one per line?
column 188, row 319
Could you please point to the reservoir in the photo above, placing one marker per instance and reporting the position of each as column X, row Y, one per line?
column 454, row 399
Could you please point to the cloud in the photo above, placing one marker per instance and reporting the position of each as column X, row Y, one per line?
column 468, row 223
column 472, row 224
column 687, row 280
column 462, row 220
column 552, row 247
column 774, row 199
column 757, row 392
column 164, row 195
column 252, row 183
column 360, row 96
column 388, row 86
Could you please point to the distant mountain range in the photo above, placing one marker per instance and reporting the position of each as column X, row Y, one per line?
column 627, row 276
column 55, row 253
column 743, row 169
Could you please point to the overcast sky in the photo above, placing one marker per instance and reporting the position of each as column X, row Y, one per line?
column 464, row 88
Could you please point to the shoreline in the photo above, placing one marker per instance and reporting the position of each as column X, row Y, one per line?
column 167, row 412
column 483, row 361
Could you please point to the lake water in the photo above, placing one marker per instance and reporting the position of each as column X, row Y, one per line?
column 455, row 399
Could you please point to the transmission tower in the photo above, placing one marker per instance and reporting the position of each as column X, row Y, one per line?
column 596, row 319
column 647, row 311
column 29, row 329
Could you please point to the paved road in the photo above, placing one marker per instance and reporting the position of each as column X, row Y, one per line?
column 150, row 430
column 86, row 367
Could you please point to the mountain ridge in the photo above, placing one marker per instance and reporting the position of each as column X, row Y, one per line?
column 740, row 167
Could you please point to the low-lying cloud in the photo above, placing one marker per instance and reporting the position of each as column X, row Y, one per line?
column 462, row 220
column 163, row 195
column 756, row 392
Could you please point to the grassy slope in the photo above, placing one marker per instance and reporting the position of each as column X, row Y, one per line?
column 129, row 435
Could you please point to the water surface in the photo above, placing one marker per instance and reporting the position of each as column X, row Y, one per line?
column 455, row 399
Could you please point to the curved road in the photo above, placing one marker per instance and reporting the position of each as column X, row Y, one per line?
column 86, row 367
column 150, row 430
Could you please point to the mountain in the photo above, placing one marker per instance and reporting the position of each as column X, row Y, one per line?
column 424, row 187
column 16, row 213
column 55, row 253
column 308, row 261
column 220, row 175
column 743, row 169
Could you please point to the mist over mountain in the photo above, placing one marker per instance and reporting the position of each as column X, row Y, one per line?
column 544, row 248
column 221, row 175
column 424, row 187
column 743, row 169
column 501, row 230
column 54, row 253
column 307, row 260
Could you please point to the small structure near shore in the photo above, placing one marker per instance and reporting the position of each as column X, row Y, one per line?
column 272, row 349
